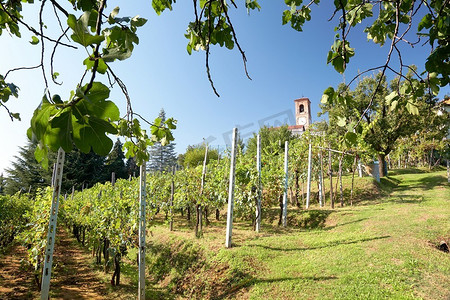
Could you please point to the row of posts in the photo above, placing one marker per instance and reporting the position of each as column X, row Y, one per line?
column 229, row 228
column 56, row 183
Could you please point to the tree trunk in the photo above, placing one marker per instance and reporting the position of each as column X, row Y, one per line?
column 198, row 223
column 280, row 219
column 188, row 213
column 296, row 188
column 321, row 176
column 381, row 166
column 115, row 280
column 217, row 214
column 83, row 241
column 303, row 192
column 431, row 160
column 206, row 217
column 106, row 254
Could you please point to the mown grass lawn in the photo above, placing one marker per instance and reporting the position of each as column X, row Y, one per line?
column 383, row 247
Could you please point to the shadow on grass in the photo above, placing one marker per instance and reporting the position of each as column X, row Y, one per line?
column 303, row 219
column 346, row 223
column 388, row 183
column 332, row 244
column 406, row 171
column 427, row 182
column 253, row 281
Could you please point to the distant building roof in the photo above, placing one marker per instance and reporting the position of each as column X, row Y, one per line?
column 296, row 127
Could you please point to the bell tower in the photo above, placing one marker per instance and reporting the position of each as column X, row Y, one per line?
column 303, row 112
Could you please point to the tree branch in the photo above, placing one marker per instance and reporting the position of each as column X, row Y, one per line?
column 96, row 54
column 208, row 41
column 21, row 68
column 17, row 20
column 244, row 58
column 41, row 29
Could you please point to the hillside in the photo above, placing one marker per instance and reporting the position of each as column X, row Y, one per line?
column 384, row 246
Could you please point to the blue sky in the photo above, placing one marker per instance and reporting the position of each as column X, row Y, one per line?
column 284, row 65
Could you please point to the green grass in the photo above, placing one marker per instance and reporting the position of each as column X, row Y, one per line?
column 383, row 247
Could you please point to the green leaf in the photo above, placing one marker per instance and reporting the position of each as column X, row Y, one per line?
column 62, row 126
column 16, row 116
column 95, row 104
column 160, row 5
column 426, row 22
column 351, row 138
column 392, row 96
column 41, row 116
column 57, row 99
column 138, row 22
column 113, row 14
column 41, row 155
column 81, row 32
column 111, row 54
column 393, row 105
column 341, row 121
column 34, row 40
column 328, row 94
column 412, row 108
column 90, row 61
column 93, row 134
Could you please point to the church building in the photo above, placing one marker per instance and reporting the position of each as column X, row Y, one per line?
column 302, row 116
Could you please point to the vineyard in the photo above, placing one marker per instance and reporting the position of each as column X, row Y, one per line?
column 293, row 182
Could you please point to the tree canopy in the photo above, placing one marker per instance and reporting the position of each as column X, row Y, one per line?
column 385, row 122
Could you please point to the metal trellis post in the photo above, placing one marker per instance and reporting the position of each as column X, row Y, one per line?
column 258, row 167
column 286, row 150
column 142, row 232
column 51, row 233
column 308, row 189
column 231, row 190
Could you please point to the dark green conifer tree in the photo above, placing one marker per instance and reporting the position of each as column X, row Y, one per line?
column 115, row 162
column 162, row 157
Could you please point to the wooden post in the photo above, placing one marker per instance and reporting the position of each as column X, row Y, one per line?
column 113, row 178
column 308, row 187
column 231, row 191
column 142, row 232
column 286, row 150
column 259, row 188
column 51, row 233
